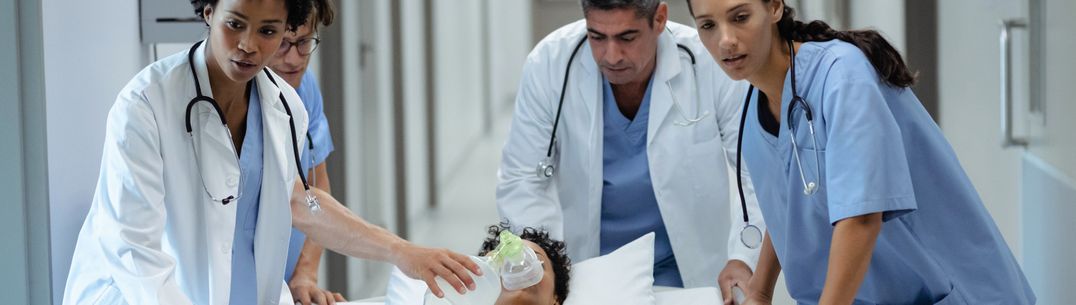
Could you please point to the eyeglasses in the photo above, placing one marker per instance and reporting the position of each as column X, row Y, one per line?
column 304, row 46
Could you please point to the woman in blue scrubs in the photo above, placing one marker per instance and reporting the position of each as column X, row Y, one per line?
column 850, row 169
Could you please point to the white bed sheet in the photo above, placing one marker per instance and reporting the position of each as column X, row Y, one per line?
column 663, row 296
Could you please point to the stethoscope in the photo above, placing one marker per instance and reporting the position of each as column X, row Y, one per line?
column 750, row 235
column 311, row 201
column 546, row 168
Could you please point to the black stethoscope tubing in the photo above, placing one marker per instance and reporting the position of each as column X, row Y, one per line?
column 796, row 99
column 203, row 98
column 546, row 168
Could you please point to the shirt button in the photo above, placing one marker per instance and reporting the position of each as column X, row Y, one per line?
column 225, row 248
column 232, row 181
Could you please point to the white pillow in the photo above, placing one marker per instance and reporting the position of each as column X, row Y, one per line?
column 623, row 277
column 693, row 296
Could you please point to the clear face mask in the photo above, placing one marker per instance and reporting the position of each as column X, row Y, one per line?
column 512, row 265
column 519, row 265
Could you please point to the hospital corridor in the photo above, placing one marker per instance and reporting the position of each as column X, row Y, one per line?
column 538, row 152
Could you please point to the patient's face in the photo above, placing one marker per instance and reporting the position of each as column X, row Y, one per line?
column 540, row 294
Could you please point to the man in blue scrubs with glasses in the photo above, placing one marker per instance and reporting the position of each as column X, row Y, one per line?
column 291, row 62
column 645, row 132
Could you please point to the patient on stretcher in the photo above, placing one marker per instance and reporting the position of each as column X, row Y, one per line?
column 553, row 288
column 547, row 287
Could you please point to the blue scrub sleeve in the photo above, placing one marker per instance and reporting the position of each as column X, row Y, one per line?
column 319, row 125
column 866, row 166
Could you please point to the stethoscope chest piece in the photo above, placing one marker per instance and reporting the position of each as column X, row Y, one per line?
column 546, row 169
column 751, row 236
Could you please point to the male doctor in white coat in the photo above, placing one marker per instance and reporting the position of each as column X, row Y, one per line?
column 644, row 139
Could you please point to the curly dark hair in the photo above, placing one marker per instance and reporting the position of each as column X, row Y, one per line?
column 298, row 10
column 554, row 249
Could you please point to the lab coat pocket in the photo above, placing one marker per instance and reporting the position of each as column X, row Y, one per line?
column 703, row 162
column 110, row 295
column 953, row 298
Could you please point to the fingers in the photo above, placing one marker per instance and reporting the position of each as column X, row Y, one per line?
column 428, row 278
column 466, row 262
column 339, row 297
column 725, row 285
column 726, row 293
column 318, row 297
column 328, row 296
column 461, row 271
column 450, row 277
column 302, row 296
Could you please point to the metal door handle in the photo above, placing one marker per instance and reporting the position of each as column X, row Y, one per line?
column 1007, row 138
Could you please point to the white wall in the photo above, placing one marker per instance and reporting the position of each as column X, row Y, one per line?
column 885, row 16
column 413, row 36
column 511, row 38
column 458, row 70
column 471, row 49
column 83, row 74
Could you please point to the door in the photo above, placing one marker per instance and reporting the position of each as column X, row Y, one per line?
column 1048, row 178
column 1009, row 119
column 968, row 103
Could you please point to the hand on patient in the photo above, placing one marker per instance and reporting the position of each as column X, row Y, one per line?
column 305, row 291
column 426, row 264
column 738, row 274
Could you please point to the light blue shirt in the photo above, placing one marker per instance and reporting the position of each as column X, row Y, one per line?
column 880, row 151
column 629, row 207
column 322, row 143
column 244, row 276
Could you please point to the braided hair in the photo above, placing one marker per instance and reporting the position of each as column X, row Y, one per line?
column 885, row 59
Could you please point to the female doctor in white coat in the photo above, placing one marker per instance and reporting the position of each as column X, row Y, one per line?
column 185, row 203
column 671, row 175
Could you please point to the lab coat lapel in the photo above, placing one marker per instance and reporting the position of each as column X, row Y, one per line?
column 217, row 158
column 661, row 95
column 274, row 214
column 589, row 88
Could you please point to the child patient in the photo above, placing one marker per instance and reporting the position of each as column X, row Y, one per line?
column 553, row 288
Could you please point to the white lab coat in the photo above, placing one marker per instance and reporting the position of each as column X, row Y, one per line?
column 688, row 165
column 152, row 235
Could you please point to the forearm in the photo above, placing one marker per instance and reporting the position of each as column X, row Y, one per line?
column 849, row 257
column 767, row 270
column 309, row 260
column 321, row 178
column 337, row 229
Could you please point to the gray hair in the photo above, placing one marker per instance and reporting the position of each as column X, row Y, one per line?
column 643, row 8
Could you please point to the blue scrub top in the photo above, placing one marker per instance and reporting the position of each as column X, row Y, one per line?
column 244, row 276
column 322, row 141
column 880, row 151
column 629, row 207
